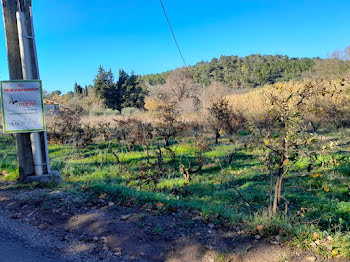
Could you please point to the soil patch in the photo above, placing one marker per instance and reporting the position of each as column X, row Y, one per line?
column 138, row 233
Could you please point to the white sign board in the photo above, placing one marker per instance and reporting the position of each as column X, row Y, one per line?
column 22, row 106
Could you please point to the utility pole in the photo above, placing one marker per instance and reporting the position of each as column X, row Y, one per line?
column 32, row 150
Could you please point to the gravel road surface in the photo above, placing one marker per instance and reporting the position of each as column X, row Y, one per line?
column 20, row 242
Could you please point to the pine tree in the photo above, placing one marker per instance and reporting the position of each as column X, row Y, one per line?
column 86, row 91
column 134, row 92
column 131, row 92
column 104, row 86
column 78, row 90
column 127, row 92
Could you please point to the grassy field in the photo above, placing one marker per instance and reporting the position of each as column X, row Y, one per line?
column 316, row 204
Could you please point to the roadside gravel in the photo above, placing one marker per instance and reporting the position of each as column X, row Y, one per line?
column 21, row 242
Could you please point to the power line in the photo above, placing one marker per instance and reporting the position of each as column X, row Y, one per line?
column 172, row 32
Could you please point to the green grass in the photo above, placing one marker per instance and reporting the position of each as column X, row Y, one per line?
column 137, row 178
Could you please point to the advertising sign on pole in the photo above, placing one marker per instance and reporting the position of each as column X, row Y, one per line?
column 22, row 106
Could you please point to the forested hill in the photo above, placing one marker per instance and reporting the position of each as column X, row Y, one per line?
column 249, row 71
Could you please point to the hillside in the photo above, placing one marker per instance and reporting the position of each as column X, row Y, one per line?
column 250, row 71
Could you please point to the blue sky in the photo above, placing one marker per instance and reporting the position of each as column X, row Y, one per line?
column 74, row 37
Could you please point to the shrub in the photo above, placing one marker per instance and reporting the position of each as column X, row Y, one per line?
column 168, row 125
column 128, row 111
column 224, row 118
column 285, row 135
column 153, row 104
column 104, row 112
column 133, row 131
column 66, row 127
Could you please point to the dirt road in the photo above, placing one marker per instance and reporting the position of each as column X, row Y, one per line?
column 21, row 242
column 52, row 225
column 13, row 248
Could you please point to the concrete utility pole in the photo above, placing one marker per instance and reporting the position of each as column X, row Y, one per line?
column 32, row 150
column 27, row 71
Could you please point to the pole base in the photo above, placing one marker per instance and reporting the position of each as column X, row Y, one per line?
column 53, row 178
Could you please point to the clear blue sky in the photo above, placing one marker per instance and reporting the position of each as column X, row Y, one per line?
column 74, row 37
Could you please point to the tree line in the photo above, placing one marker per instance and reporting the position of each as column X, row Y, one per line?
column 228, row 72
column 127, row 91
column 240, row 72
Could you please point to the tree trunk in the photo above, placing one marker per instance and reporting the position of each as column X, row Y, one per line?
column 275, row 199
column 166, row 139
column 217, row 136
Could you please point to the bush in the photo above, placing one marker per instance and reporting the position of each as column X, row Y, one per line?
column 153, row 104
column 104, row 112
column 66, row 127
column 128, row 111
column 169, row 124
column 224, row 118
column 133, row 131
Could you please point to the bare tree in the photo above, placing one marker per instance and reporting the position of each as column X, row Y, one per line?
column 179, row 85
column 212, row 93
column 342, row 54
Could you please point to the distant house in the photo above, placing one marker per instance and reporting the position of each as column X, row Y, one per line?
column 51, row 108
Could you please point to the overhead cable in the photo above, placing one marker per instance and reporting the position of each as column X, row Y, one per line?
column 172, row 32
